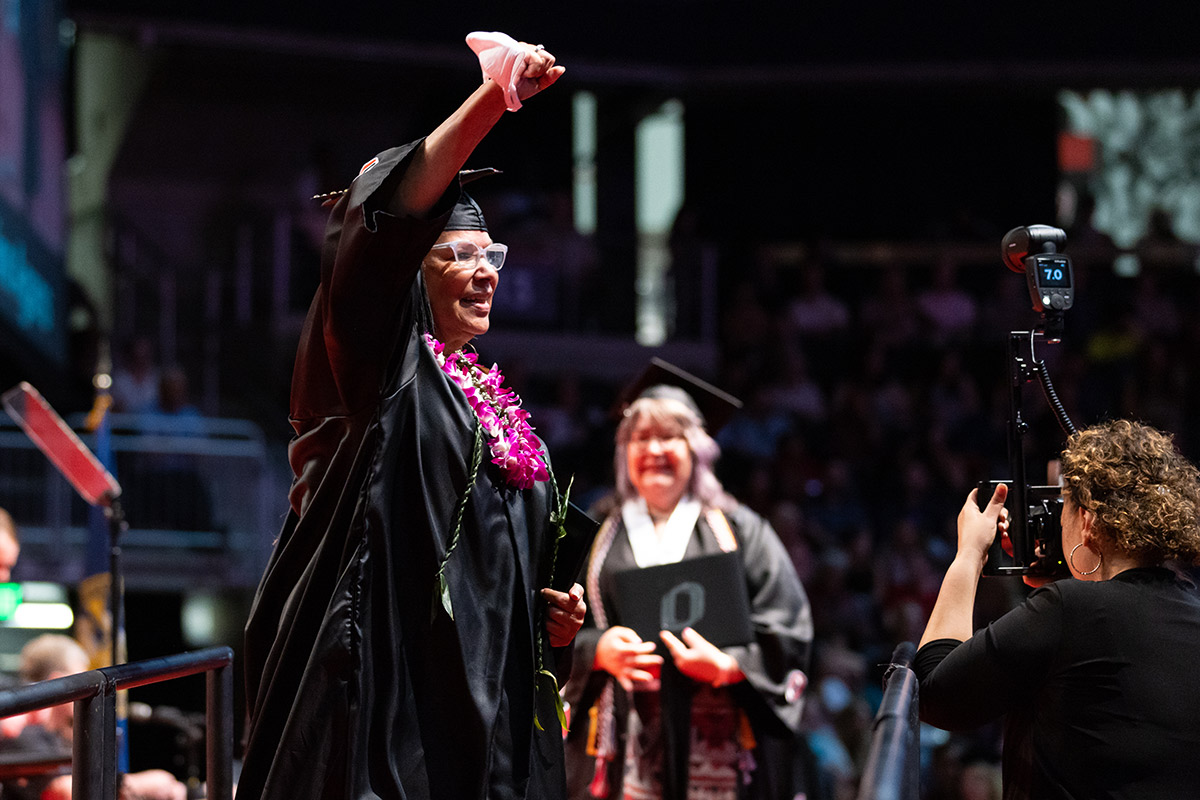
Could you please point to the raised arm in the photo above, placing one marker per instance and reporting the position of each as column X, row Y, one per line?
column 447, row 148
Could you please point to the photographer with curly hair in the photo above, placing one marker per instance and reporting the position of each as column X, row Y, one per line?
column 1096, row 675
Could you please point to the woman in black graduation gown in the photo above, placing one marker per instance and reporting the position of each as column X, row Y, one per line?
column 1095, row 673
column 725, row 717
column 401, row 644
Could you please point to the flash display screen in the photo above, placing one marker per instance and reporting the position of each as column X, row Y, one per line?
column 1054, row 274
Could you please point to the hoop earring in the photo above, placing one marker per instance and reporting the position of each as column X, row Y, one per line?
column 1071, row 559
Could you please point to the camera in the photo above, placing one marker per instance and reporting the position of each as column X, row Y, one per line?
column 1034, row 544
column 1034, row 548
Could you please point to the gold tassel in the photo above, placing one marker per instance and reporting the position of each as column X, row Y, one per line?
column 593, row 730
column 746, row 733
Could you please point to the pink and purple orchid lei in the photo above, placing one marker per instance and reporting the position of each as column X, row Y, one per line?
column 513, row 445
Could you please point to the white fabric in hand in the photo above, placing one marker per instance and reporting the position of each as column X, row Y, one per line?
column 503, row 60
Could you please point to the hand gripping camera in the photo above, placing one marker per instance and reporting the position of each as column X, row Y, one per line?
column 1035, row 528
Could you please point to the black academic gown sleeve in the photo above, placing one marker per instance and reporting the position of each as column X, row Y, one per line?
column 783, row 629
column 357, row 685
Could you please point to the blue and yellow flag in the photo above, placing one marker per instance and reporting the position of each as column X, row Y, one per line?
column 94, row 622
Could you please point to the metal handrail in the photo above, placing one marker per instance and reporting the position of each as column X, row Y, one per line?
column 892, row 771
column 94, row 693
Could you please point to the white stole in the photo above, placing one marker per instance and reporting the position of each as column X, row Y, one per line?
column 650, row 547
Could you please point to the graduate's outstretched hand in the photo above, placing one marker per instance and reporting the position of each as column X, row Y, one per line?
column 701, row 660
column 518, row 69
column 540, row 71
column 564, row 614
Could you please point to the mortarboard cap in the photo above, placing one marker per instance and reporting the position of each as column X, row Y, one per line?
column 466, row 215
column 663, row 379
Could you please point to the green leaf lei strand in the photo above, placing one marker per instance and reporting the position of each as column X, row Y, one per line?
column 441, row 592
column 544, row 680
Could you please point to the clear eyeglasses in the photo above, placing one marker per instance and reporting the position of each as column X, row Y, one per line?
column 468, row 253
column 663, row 439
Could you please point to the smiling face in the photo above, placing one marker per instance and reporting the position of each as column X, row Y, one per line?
column 659, row 462
column 460, row 294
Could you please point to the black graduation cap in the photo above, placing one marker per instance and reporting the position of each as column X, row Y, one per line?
column 663, row 379
column 467, row 215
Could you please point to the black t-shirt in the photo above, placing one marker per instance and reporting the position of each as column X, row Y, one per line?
column 1098, row 682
